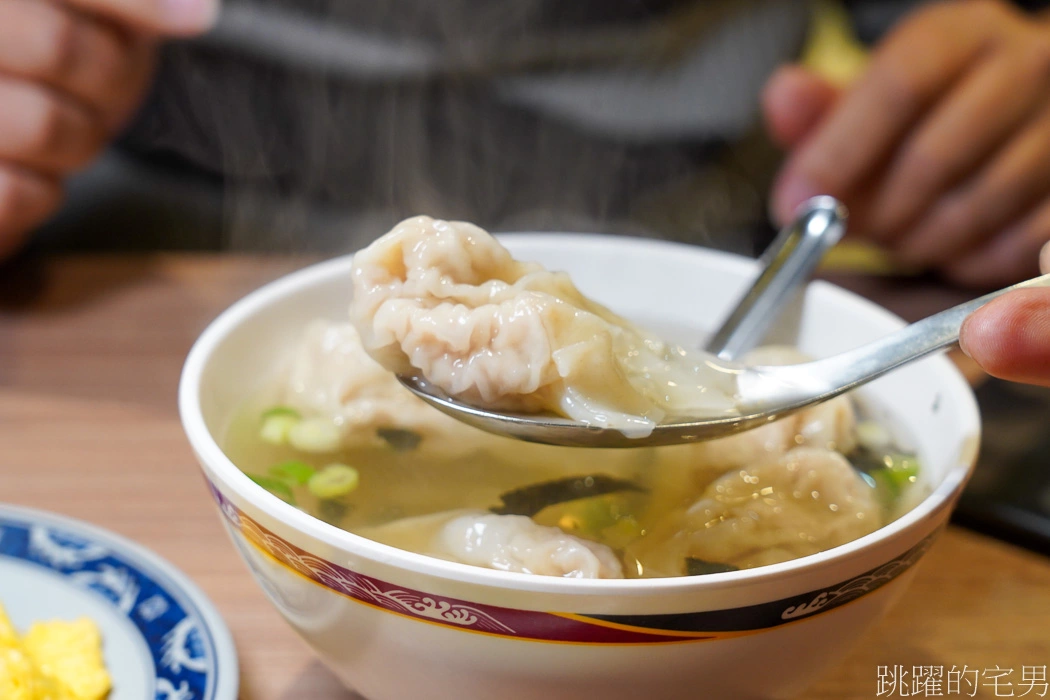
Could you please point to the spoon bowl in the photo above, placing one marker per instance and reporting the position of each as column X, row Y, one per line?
column 764, row 393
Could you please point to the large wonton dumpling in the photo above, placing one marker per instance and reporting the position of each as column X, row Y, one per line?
column 445, row 299
column 799, row 503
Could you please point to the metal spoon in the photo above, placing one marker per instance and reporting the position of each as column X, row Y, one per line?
column 788, row 264
column 764, row 393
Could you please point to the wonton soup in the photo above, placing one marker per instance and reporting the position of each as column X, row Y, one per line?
column 335, row 434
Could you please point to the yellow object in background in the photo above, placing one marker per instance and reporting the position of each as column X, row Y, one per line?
column 832, row 49
column 861, row 258
column 8, row 634
column 54, row 660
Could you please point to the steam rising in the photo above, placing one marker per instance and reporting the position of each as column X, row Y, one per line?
column 330, row 120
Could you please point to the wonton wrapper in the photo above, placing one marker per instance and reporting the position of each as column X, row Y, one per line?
column 446, row 300
column 502, row 542
column 800, row 503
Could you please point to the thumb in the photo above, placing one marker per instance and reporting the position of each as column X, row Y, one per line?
column 1010, row 336
column 794, row 101
column 159, row 17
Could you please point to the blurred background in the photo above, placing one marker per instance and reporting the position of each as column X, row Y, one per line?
column 315, row 125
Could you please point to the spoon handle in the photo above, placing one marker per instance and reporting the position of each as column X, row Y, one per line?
column 837, row 374
column 788, row 264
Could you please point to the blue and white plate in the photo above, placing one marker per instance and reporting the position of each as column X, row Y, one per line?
column 162, row 638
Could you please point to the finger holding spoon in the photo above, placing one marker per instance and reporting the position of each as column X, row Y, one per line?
column 1010, row 337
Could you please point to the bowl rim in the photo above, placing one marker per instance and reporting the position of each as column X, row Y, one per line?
column 257, row 301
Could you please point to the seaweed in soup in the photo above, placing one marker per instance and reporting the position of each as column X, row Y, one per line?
column 701, row 567
column 530, row 500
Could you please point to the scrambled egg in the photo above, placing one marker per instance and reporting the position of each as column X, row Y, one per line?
column 54, row 660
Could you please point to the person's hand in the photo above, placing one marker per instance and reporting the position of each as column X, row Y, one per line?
column 71, row 73
column 1010, row 337
column 941, row 149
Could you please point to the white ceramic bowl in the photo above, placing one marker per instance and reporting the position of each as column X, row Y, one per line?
column 396, row 625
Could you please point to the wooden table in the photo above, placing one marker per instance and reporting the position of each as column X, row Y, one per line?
column 90, row 354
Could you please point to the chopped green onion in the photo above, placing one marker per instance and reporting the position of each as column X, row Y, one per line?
column 276, row 429
column 889, row 473
column 900, row 471
column 295, row 471
column 904, row 466
column 873, row 436
column 624, row 531
column 588, row 516
column 333, row 481
column 315, row 435
column 281, row 411
column 277, row 487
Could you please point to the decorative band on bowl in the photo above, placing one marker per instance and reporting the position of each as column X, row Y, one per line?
column 563, row 627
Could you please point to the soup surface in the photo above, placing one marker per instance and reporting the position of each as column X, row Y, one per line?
column 335, row 434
